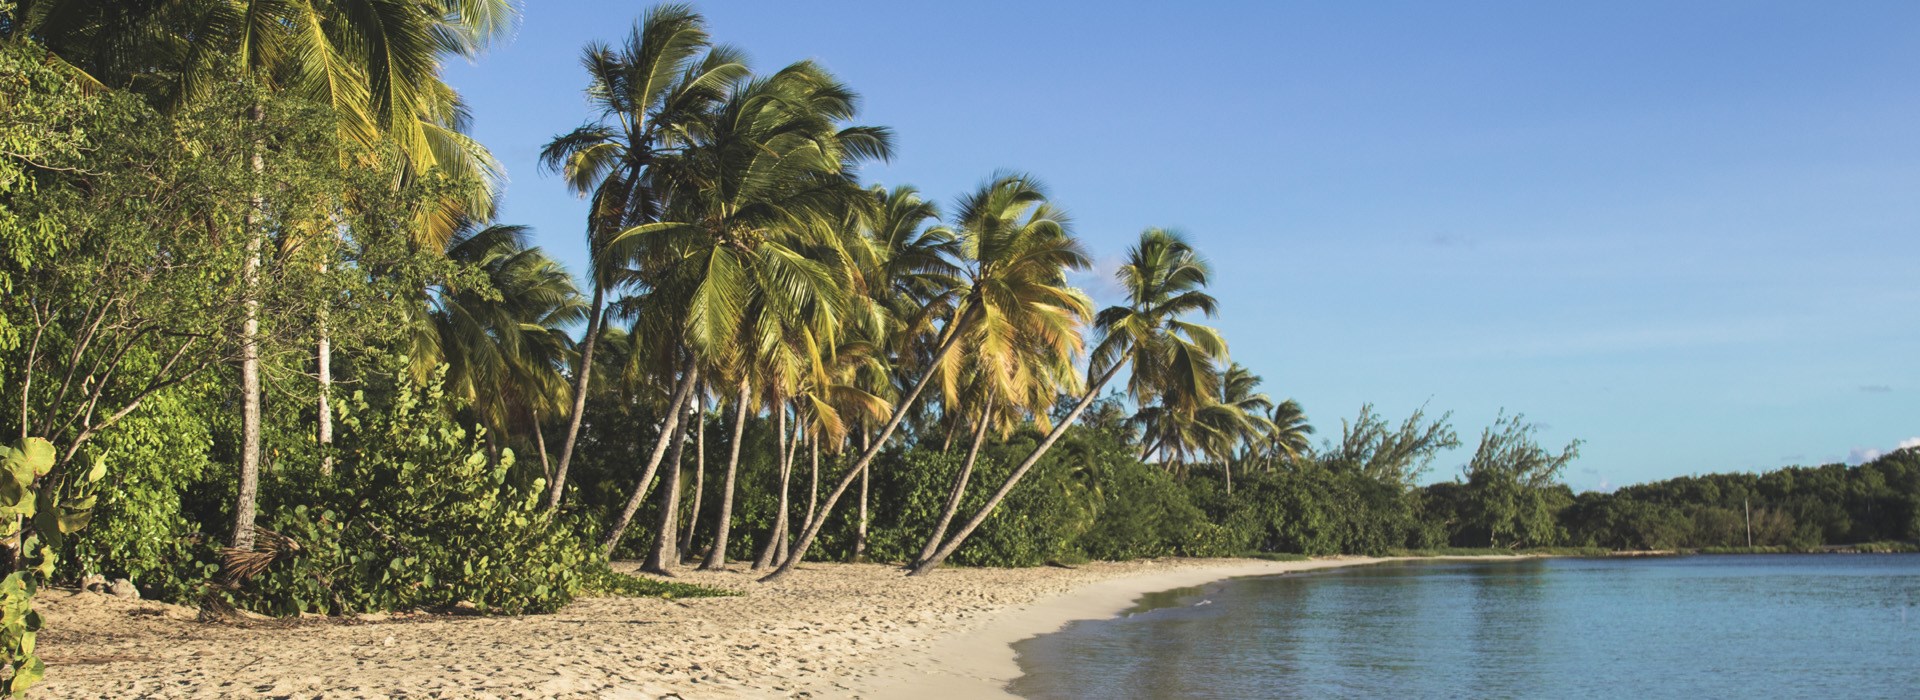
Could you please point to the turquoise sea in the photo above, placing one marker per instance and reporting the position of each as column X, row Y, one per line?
column 1764, row 626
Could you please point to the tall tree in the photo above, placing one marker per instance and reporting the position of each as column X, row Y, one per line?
column 1018, row 251
column 1165, row 280
column 648, row 90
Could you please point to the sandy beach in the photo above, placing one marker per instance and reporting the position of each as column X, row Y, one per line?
column 828, row 631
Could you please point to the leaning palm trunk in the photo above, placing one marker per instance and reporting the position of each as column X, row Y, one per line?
column 723, row 523
column 786, row 489
column 860, row 466
column 946, row 550
column 579, row 396
column 770, row 549
column 959, row 490
column 243, row 507
column 668, row 426
column 665, row 555
column 540, row 443
column 699, row 472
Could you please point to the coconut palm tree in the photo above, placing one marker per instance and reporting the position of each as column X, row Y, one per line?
column 746, row 261
column 1165, row 280
column 1018, row 251
column 665, row 77
column 1287, row 439
column 505, row 344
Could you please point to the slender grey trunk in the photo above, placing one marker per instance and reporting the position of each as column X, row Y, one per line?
column 959, row 491
column 668, row 426
column 723, row 522
column 595, row 312
column 770, row 550
column 946, row 550
column 813, row 476
column 249, row 492
column 540, row 443
column 812, row 530
column 866, row 475
column 324, row 368
column 786, row 491
column 665, row 555
column 699, row 470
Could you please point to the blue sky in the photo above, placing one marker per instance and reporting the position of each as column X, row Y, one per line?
column 1682, row 232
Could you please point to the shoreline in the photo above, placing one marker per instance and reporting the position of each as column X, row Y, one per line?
column 981, row 663
column 831, row 630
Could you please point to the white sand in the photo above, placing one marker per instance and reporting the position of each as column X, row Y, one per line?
column 827, row 631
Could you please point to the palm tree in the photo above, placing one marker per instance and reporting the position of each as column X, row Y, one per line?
column 647, row 91
column 753, row 198
column 505, row 343
column 1287, row 438
column 1018, row 251
column 1165, row 280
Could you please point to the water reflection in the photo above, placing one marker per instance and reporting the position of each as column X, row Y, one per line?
column 1679, row 628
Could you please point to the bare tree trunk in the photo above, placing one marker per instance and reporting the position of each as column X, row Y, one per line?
column 786, row 489
column 665, row 554
column 1227, row 465
column 540, row 443
column 813, row 476
column 699, row 470
column 959, row 491
column 581, row 377
column 860, row 531
column 249, row 492
column 770, row 550
column 812, row 530
column 959, row 538
column 668, row 425
column 324, row 368
column 723, row 522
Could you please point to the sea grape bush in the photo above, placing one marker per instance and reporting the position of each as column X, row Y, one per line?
column 416, row 515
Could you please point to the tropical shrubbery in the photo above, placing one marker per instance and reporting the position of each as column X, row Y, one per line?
column 415, row 515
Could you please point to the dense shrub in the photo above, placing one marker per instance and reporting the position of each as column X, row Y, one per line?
column 415, row 516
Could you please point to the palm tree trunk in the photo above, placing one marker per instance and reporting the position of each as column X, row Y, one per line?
column 1227, row 465
column 771, row 547
column 249, row 491
column 786, row 488
column 540, row 443
column 959, row 489
column 699, row 471
column 859, row 467
column 946, row 550
column 723, row 523
column 667, row 427
column 866, row 475
column 813, row 476
column 580, row 380
column 665, row 553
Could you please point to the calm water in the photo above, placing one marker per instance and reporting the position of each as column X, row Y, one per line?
column 1816, row 626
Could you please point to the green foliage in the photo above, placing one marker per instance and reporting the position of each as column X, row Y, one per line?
column 416, row 516
column 1512, row 488
column 39, row 508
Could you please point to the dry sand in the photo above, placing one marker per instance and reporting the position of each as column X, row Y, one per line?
column 827, row 631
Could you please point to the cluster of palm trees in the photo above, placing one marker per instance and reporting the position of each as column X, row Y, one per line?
column 738, row 266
